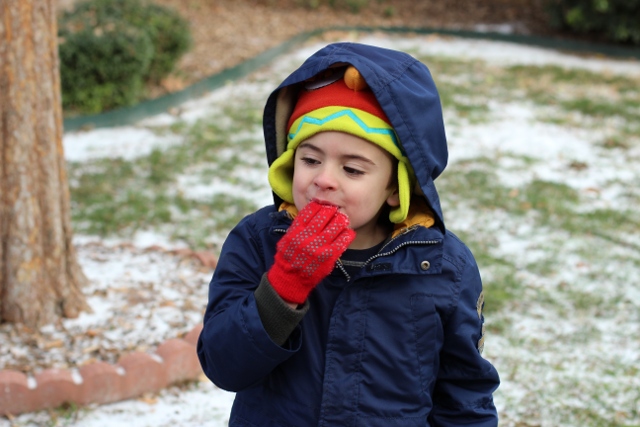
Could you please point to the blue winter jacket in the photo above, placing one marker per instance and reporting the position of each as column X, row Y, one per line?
column 394, row 345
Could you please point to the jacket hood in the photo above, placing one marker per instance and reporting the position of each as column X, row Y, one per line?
column 406, row 92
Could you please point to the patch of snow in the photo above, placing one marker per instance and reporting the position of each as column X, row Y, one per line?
column 127, row 142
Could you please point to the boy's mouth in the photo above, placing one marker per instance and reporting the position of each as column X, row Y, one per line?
column 327, row 203
column 324, row 202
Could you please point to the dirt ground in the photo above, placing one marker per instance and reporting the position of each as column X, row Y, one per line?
column 226, row 33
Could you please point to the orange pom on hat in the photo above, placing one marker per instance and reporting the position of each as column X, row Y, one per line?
column 353, row 79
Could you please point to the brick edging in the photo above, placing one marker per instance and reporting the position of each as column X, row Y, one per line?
column 174, row 361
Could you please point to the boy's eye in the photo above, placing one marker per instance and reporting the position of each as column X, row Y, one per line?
column 352, row 171
column 309, row 161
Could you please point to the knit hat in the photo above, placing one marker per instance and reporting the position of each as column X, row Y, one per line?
column 340, row 100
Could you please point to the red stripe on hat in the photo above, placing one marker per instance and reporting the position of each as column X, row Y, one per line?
column 336, row 94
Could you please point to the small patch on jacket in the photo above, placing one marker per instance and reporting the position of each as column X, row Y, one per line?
column 480, row 305
column 479, row 308
column 481, row 341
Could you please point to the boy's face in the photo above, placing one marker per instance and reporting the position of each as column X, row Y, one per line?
column 351, row 173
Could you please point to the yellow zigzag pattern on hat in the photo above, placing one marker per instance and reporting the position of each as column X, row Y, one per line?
column 341, row 114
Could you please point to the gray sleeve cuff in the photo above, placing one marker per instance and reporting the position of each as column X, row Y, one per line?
column 278, row 319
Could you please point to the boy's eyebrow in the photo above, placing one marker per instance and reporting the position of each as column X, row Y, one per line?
column 348, row 156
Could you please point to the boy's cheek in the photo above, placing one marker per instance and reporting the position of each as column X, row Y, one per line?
column 299, row 201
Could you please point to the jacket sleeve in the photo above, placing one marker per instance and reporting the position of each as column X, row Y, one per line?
column 234, row 349
column 463, row 393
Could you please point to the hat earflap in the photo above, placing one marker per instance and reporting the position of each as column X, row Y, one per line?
column 281, row 175
column 399, row 213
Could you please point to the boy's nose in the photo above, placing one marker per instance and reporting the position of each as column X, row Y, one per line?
column 325, row 179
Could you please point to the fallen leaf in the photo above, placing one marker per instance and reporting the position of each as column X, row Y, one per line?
column 206, row 258
column 151, row 400
column 53, row 344
column 91, row 349
column 93, row 333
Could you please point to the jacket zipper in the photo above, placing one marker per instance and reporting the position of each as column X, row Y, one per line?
column 402, row 245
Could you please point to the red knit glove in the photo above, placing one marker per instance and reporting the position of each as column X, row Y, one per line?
column 307, row 253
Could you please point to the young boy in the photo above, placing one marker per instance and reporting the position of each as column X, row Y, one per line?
column 347, row 302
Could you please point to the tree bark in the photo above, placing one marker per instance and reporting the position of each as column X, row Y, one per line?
column 40, row 278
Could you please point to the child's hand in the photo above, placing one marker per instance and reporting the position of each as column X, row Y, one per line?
column 307, row 253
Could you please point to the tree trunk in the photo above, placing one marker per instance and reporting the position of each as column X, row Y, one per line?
column 40, row 278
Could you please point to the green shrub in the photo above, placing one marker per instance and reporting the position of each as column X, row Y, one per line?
column 615, row 20
column 109, row 49
column 170, row 36
column 103, row 67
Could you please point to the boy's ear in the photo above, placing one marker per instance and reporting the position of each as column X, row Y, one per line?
column 394, row 198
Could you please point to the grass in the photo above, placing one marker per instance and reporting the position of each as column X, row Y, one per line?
column 118, row 197
column 559, row 258
column 65, row 413
column 466, row 86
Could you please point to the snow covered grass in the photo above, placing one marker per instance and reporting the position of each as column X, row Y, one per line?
column 542, row 185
